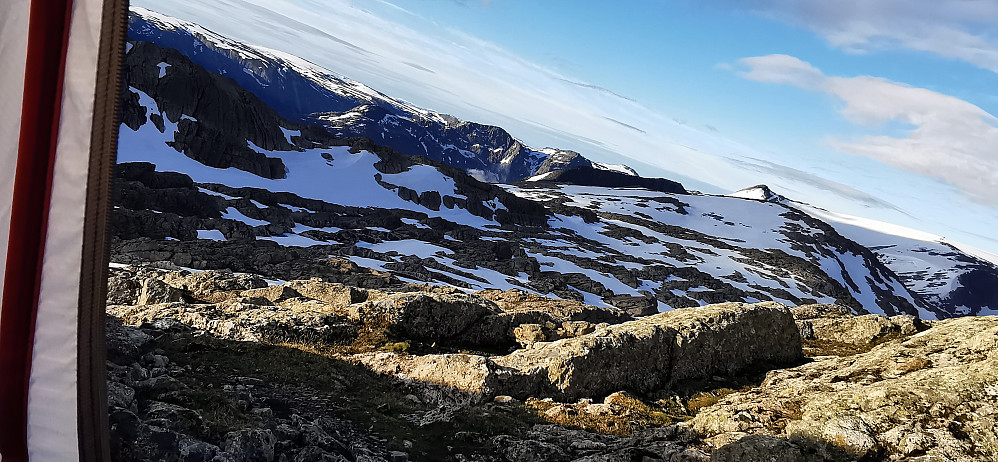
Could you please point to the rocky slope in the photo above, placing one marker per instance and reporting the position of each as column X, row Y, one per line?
column 224, row 366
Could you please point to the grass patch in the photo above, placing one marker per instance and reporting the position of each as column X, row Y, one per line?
column 813, row 348
column 219, row 414
column 396, row 347
column 705, row 399
column 620, row 415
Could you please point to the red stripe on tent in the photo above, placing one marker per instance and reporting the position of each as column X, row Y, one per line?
column 48, row 35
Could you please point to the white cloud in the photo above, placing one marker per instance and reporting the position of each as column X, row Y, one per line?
column 783, row 69
column 949, row 138
column 958, row 29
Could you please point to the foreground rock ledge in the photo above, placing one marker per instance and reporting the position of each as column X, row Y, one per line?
column 642, row 356
column 931, row 396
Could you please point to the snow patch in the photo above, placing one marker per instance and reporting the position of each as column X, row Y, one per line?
column 232, row 213
column 619, row 168
column 211, row 235
column 406, row 247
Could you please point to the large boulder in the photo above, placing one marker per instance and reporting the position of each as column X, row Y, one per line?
column 658, row 351
column 642, row 356
column 214, row 286
column 122, row 288
column 426, row 316
column 833, row 328
column 154, row 291
column 458, row 377
column 272, row 294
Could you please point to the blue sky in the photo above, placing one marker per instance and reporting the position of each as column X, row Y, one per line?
column 877, row 108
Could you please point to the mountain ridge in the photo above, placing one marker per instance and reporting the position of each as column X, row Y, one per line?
column 306, row 93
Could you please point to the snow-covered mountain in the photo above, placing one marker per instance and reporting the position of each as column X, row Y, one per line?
column 305, row 93
column 217, row 172
column 953, row 280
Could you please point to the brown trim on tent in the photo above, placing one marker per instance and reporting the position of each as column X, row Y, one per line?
column 92, row 386
column 48, row 35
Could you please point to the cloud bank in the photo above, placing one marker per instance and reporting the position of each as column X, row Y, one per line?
column 957, row 29
column 948, row 138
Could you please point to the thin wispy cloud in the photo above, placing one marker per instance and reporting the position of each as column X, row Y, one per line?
column 957, row 29
column 948, row 138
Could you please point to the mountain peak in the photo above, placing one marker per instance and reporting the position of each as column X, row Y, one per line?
column 619, row 168
column 759, row 192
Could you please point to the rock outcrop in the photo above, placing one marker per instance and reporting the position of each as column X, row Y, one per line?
column 659, row 351
column 931, row 395
column 438, row 372
column 240, row 306
column 645, row 355
column 833, row 327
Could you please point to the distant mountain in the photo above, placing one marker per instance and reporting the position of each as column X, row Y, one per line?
column 593, row 176
column 304, row 93
column 955, row 282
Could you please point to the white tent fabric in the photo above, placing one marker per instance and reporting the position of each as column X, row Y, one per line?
column 52, row 389
column 13, row 51
column 55, row 430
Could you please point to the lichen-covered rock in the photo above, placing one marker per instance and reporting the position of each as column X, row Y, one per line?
column 519, row 301
column 644, row 355
column 528, row 334
column 191, row 450
column 833, row 324
column 657, row 351
column 155, row 291
column 120, row 395
column 213, row 286
column 335, row 294
column 759, row 448
column 820, row 310
column 122, row 289
column 459, row 377
column 272, row 293
column 933, row 395
column 554, row 443
column 122, row 341
column 173, row 417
